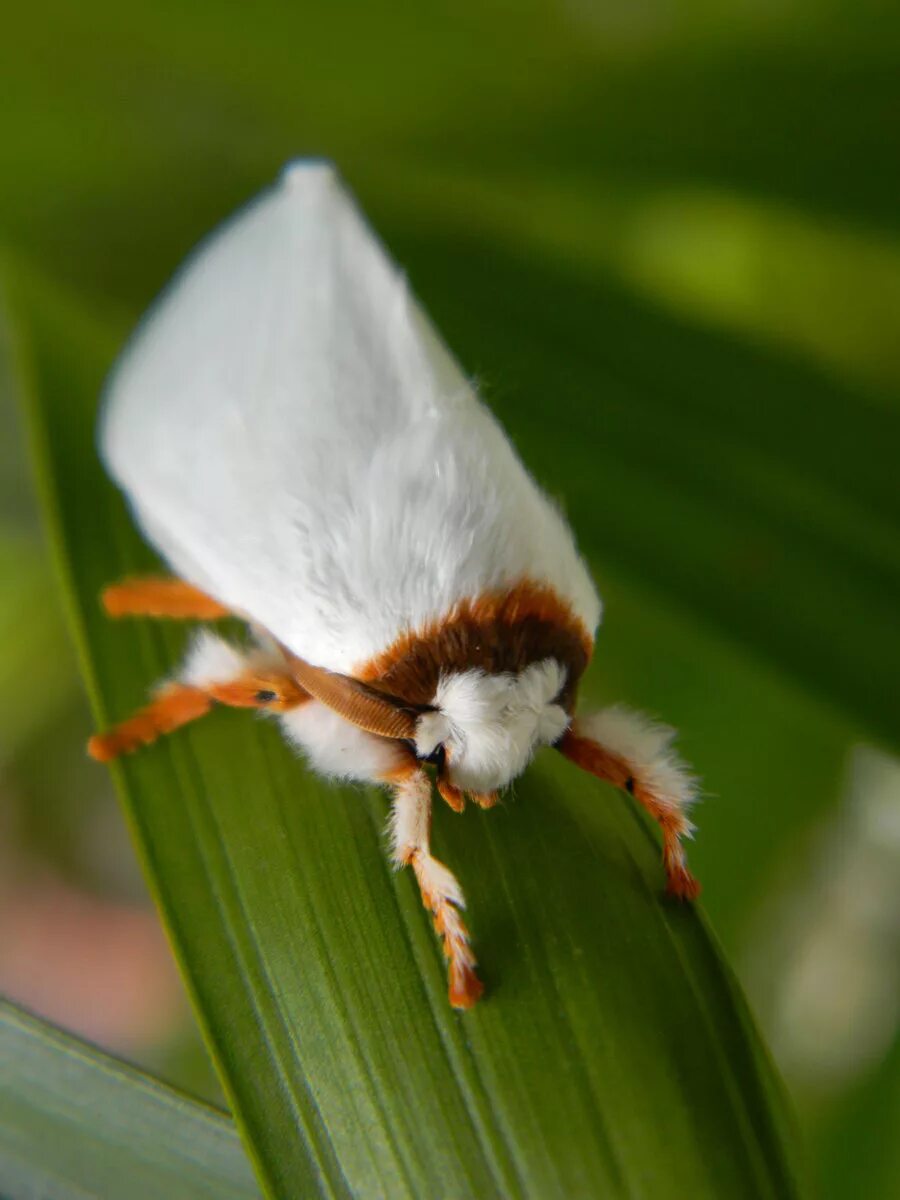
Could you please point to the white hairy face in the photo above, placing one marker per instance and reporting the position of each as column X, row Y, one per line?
column 491, row 725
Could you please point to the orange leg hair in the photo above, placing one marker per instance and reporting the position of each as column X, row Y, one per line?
column 455, row 797
column 449, row 793
column 152, row 597
column 177, row 704
column 441, row 893
column 657, row 781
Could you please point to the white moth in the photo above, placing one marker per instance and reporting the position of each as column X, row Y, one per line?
column 301, row 448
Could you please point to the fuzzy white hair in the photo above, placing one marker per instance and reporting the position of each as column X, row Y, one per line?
column 336, row 748
column 211, row 660
column 490, row 725
column 646, row 746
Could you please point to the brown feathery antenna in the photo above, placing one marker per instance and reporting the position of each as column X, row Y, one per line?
column 353, row 700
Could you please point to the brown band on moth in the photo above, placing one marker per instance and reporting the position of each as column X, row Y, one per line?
column 500, row 631
column 353, row 700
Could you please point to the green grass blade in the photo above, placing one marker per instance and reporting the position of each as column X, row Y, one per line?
column 613, row 1054
column 75, row 1123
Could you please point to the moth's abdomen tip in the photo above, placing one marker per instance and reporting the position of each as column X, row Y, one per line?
column 305, row 173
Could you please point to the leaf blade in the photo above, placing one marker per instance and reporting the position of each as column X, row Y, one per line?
column 324, row 1002
column 75, row 1123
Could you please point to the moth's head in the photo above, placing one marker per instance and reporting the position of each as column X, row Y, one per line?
column 484, row 728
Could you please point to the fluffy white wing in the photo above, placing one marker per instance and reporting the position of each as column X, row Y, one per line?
column 295, row 439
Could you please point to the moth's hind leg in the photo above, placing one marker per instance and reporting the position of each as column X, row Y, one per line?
column 628, row 750
column 150, row 596
column 213, row 671
column 441, row 893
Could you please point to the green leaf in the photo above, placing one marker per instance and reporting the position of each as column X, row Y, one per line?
column 36, row 673
column 732, row 483
column 613, row 1053
column 74, row 1123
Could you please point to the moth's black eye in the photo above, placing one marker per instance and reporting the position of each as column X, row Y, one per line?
column 265, row 697
column 436, row 758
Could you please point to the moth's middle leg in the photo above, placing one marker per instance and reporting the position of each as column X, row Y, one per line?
column 213, row 671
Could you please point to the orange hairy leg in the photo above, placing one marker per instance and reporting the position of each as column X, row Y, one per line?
column 271, row 690
column 486, row 799
column 449, row 793
column 177, row 704
column 456, row 798
column 667, row 810
column 441, row 893
column 153, row 597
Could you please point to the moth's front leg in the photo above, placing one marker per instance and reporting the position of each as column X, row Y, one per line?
column 441, row 893
column 634, row 753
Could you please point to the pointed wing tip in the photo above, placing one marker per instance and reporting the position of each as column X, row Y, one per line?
column 305, row 173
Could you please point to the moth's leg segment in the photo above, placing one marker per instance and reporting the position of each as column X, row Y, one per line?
column 175, row 705
column 486, row 799
column 633, row 753
column 449, row 793
column 456, row 798
column 153, row 597
column 441, row 893
column 271, row 690
column 216, row 671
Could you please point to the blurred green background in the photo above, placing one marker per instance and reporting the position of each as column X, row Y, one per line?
column 665, row 240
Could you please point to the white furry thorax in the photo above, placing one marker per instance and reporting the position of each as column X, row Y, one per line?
column 491, row 725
